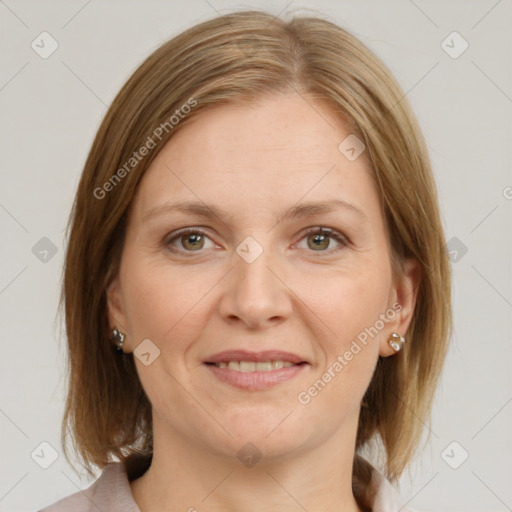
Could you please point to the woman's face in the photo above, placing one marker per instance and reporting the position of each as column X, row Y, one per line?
column 258, row 276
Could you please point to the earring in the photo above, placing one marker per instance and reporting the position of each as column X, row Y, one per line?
column 396, row 341
column 118, row 339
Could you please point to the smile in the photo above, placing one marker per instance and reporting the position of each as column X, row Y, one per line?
column 251, row 366
column 255, row 376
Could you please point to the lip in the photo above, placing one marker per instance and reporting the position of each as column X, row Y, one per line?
column 256, row 381
column 245, row 355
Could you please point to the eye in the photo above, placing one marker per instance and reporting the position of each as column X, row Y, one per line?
column 319, row 238
column 191, row 240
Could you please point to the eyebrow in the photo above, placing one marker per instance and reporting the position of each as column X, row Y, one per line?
column 295, row 212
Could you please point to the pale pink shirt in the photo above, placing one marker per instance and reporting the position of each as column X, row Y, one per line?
column 111, row 493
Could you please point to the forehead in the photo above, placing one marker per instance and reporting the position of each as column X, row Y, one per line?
column 274, row 126
column 278, row 150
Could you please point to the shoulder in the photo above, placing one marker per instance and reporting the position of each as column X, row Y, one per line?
column 109, row 493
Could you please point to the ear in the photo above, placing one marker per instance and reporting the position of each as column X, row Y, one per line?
column 403, row 301
column 115, row 308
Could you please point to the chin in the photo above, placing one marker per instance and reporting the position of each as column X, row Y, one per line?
column 271, row 435
column 254, row 449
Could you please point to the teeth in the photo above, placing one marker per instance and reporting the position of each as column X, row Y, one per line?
column 251, row 366
column 247, row 366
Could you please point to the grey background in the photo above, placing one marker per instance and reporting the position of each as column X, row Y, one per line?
column 51, row 109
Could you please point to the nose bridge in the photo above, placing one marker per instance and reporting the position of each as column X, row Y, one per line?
column 255, row 294
column 252, row 270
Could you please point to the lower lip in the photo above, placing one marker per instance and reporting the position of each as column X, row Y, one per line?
column 255, row 381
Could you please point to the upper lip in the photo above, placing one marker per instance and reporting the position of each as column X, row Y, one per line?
column 245, row 355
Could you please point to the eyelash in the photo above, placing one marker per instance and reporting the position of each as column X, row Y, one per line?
column 335, row 235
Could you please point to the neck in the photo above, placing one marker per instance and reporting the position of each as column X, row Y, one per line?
column 185, row 476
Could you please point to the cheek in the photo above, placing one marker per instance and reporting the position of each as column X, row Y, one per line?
column 165, row 304
column 349, row 348
column 346, row 302
column 348, row 307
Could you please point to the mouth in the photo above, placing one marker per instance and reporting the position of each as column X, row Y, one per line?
column 254, row 371
column 251, row 366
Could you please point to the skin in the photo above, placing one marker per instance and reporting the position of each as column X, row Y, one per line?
column 255, row 161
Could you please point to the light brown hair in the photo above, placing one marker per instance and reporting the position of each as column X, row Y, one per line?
column 238, row 58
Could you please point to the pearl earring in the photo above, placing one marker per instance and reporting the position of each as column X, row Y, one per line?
column 396, row 341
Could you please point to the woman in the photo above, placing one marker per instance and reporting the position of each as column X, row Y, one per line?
column 256, row 291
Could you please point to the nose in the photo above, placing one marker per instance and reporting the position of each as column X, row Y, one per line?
column 256, row 294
